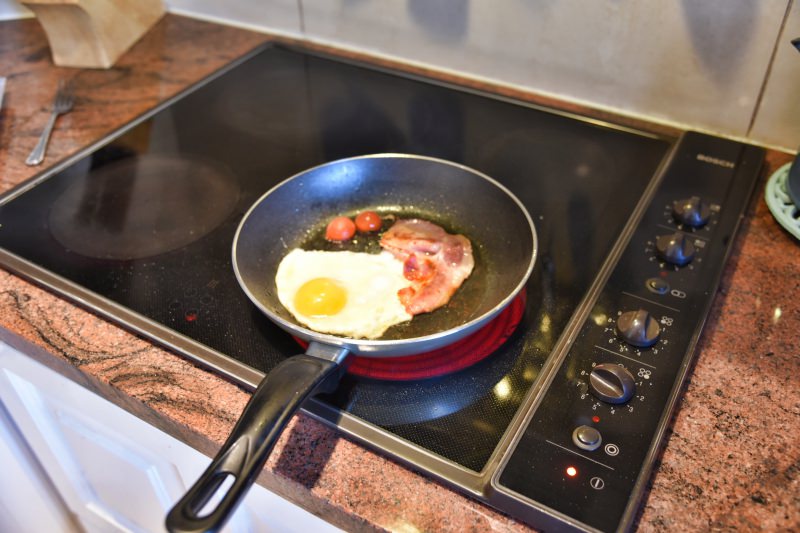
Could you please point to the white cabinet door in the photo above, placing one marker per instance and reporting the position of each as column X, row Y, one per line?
column 109, row 469
column 28, row 500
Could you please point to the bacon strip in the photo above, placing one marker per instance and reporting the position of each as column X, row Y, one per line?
column 434, row 261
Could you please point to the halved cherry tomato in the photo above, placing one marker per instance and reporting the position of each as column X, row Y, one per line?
column 368, row 221
column 340, row 229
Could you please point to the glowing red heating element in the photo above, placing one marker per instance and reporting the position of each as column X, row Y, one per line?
column 448, row 359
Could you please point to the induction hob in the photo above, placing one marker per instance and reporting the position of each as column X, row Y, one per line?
column 558, row 424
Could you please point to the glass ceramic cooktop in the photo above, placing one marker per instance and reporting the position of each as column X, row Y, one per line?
column 147, row 220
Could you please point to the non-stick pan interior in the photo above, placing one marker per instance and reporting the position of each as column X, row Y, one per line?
column 460, row 199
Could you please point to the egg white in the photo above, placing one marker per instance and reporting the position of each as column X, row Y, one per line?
column 371, row 282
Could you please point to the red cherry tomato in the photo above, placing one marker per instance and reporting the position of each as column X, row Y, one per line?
column 368, row 221
column 340, row 229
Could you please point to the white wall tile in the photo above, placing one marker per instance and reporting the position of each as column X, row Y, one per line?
column 696, row 63
column 11, row 9
column 280, row 16
column 778, row 118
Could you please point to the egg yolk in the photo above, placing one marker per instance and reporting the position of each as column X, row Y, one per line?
column 320, row 297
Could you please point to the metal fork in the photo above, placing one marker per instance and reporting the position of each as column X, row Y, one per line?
column 61, row 104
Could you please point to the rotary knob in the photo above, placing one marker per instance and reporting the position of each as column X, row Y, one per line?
column 691, row 212
column 675, row 249
column 638, row 328
column 612, row 383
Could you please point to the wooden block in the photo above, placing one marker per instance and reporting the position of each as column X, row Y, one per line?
column 93, row 33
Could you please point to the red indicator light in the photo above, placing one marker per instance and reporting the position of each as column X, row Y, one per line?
column 663, row 274
column 572, row 471
column 191, row 316
column 595, row 419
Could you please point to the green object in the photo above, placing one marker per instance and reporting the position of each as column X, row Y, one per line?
column 785, row 211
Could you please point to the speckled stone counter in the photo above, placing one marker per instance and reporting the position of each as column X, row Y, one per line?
column 732, row 460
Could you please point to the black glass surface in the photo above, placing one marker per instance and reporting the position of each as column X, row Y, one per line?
column 147, row 221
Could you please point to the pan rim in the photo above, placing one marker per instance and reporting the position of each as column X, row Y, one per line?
column 377, row 347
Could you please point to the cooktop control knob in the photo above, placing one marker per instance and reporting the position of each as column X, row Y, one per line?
column 611, row 383
column 675, row 249
column 638, row 328
column 691, row 212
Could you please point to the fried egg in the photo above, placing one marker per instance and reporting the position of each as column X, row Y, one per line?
column 345, row 293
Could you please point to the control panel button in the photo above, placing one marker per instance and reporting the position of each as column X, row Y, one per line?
column 587, row 438
column 675, row 249
column 691, row 212
column 657, row 285
column 611, row 383
column 638, row 328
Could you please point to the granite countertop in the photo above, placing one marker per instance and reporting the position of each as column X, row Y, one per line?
column 732, row 461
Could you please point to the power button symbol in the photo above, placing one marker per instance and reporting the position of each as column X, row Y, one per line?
column 597, row 483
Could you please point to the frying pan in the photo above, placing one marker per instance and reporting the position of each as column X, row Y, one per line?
column 458, row 198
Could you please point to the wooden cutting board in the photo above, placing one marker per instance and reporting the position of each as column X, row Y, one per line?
column 93, row 33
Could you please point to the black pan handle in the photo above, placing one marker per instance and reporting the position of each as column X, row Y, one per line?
column 243, row 455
